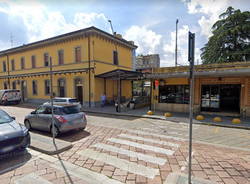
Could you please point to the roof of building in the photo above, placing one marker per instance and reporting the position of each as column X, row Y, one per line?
column 120, row 74
column 67, row 36
column 216, row 70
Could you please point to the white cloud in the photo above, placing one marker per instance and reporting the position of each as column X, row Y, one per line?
column 147, row 40
column 168, row 58
column 211, row 9
column 42, row 23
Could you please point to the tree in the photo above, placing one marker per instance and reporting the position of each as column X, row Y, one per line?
column 230, row 41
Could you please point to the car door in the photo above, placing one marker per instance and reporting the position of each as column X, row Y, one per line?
column 40, row 112
column 45, row 119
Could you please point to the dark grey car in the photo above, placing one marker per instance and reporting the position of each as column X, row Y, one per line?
column 66, row 117
column 13, row 136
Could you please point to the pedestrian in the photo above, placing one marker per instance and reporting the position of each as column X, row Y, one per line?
column 103, row 99
column 116, row 106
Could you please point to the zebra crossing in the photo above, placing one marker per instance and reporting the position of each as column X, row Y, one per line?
column 165, row 145
column 131, row 139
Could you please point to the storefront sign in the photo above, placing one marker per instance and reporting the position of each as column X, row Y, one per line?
column 156, row 83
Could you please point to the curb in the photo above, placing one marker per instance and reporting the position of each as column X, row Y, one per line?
column 45, row 144
column 159, row 118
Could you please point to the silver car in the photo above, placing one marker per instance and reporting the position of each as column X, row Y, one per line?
column 66, row 117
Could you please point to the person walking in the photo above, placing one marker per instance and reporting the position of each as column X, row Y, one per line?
column 103, row 99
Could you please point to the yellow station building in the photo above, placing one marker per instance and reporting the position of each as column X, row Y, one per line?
column 83, row 63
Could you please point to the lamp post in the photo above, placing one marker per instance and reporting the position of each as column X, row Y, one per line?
column 176, row 26
column 51, row 100
column 111, row 26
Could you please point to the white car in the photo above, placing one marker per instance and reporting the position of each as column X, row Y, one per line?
column 64, row 100
column 10, row 96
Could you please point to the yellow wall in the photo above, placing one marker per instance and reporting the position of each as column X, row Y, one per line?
column 101, row 59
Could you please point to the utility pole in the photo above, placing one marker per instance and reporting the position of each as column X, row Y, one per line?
column 11, row 40
column 51, row 100
column 176, row 34
column 191, row 48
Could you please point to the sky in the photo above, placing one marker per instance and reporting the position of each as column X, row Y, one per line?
column 149, row 23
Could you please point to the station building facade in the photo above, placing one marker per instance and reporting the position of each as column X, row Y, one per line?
column 77, row 58
column 219, row 88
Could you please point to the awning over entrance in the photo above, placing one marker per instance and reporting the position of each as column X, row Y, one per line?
column 120, row 74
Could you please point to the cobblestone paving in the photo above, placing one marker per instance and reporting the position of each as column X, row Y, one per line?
column 121, row 154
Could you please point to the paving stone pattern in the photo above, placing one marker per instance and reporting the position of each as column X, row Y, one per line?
column 114, row 164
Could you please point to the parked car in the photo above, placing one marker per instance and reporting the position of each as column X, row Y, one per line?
column 13, row 136
column 66, row 117
column 10, row 96
column 63, row 100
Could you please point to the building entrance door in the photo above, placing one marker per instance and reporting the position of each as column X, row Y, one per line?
column 79, row 90
column 24, row 90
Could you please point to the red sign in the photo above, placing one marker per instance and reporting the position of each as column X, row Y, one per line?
column 156, row 83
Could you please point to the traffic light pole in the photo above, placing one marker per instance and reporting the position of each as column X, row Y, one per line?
column 191, row 48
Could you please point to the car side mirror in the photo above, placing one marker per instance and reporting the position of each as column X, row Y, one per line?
column 14, row 118
column 33, row 112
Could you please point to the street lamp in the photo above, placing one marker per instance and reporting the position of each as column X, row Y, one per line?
column 176, row 26
column 111, row 26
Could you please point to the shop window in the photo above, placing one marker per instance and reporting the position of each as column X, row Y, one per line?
column 115, row 57
column 12, row 64
column 34, row 87
column 4, row 66
column 33, row 61
column 60, row 57
column 46, row 59
column 178, row 94
column 47, row 87
column 78, row 54
column 22, row 63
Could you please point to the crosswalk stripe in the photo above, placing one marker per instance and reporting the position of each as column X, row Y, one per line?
column 120, row 163
column 83, row 173
column 31, row 178
column 140, row 156
column 155, row 135
column 149, row 140
column 142, row 146
column 169, row 132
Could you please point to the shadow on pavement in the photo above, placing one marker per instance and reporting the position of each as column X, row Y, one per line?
column 117, row 116
column 13, row 160
column 70, row 136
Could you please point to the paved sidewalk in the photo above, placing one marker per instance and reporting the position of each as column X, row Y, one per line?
column 177, row 117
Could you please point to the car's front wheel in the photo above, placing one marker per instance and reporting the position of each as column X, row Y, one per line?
column 27, row 124
column 54, row 131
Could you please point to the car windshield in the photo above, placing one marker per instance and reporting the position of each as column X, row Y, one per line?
column 73, row 100
column 71, row 109
column 4, row 117
column 59, row 100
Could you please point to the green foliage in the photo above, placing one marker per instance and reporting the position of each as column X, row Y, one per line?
column 230, row 41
